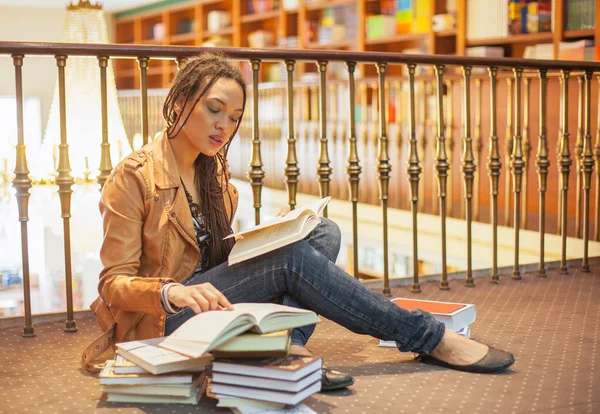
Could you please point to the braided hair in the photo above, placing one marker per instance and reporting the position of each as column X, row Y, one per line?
column 211, row 173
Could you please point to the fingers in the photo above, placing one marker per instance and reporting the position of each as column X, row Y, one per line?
column 219, row 298
column 205, row 297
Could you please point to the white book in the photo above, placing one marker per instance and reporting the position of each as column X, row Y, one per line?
column 156, row 360
column 154, row 399
column 276, row 233
column 229, row 401
column 208, row 330
column 266, row 383
column 108, row 377
column 289, row 368
column 297, row 409
column 125, row 366
column 282, row 397
column 174, row 390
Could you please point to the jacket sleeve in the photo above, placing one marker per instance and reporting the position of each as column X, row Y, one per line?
column 122, row 206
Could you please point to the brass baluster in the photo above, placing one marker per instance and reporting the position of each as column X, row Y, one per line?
column 586, row 165
column 508, row 146
column 526, row 152
column 423, row 142
column 291, row 170
column 256, row 174
column 383, row 168
column 478, row 146
column 413, row 171
column 578, row 149
column 364, row 111
column 105, row 161
column 324, row 170
column 516, row 167
column 441, row 166
column 597, row 162
column 494, row 166
column 64, row 182
column 353, row 168
column 450, row 140
column 468, row 170
column 22, row 184
column 564, row 168
column 542, row 163
column 143, row 66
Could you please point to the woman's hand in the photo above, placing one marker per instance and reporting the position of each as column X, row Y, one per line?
column 284, row 211
column 200, row 298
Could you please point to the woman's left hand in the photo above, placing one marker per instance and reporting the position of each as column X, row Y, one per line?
column 284, row 211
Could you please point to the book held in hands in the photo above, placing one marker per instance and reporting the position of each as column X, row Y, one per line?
column 276, row 233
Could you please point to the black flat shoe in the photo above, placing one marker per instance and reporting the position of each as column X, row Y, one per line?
column 494, row 361
column 335, row 380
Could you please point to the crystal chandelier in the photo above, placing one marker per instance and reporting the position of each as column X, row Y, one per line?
column 84, row 23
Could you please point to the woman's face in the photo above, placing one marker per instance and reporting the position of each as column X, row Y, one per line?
column 214, row 118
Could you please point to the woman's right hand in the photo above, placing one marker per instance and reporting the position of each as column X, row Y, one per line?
column 200, row 298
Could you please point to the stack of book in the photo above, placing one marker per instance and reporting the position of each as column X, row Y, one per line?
column 265, row 383
column 456, row 317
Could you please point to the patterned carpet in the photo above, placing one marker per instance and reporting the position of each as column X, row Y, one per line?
column 551, row 325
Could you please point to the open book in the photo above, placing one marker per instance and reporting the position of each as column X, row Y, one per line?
column 277, row 232
column 208, row 330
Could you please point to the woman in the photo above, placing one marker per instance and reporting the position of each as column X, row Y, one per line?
column 167, row 207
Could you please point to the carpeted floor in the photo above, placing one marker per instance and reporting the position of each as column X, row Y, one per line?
column 551, row 325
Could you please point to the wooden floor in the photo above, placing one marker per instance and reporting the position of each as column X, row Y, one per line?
column 551, row 325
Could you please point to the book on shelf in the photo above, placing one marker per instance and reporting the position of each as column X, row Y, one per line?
column 266, row 383
column 256, row 345
column 277, row 232
column 208, row 330
column 156, row 360
column 108, row 377
column 173, row 390
column 283, row 397
column 290, row 368
column 296, row 409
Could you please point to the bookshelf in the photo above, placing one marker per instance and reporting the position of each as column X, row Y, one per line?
column 185, row 22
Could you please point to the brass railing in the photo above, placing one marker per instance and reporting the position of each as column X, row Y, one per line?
column 516, row 144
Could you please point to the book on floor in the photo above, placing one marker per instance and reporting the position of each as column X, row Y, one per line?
column 156, row 399
column 266, row 383
column 228, row 401
column 296, row 409
column 255, row 345
column 276, row 233
column 107, row 377
column 283, row 397
column 290, row 368
column 208, row 330
column 454, row 316
column 174, row 390
column 124, row 366
column 156, row 360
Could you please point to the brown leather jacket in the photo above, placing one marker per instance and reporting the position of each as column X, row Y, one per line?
column 149, row 240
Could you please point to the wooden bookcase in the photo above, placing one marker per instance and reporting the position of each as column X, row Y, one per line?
column 135, row 27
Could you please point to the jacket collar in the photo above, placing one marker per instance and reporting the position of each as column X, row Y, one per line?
column 166, row 173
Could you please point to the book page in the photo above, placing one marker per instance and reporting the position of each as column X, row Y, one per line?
column 261, row 310
column 266, row 236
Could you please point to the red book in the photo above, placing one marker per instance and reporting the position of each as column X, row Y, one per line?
column 455, row 316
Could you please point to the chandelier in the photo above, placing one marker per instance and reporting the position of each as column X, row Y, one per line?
column 85, row 23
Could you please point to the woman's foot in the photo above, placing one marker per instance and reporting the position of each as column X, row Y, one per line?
column 330, row 379
column 457, row 352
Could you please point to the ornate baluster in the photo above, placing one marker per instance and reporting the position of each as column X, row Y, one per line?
column 105, row 161
column 508, row 146
column 256, row 173
column 526, row 152
column 564, row 168
column 291, row 171
column 413, row 171
column 478, row 146
column 423, row 142
column 450, row 140
column 64, row 182
column 586, row 165
column 22, row 184
column 441, row 166
column 494, row 165
column 579, row 153
column 353, row 168
column 558, row 141
column 542, row 163
column 516, row 167
column 468, row 169
column 383, row 168
column 324, row 170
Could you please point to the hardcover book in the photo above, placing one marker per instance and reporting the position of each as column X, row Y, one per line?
column 108, row 377
column 255, row 345
column 290, row 368
column 454, row 316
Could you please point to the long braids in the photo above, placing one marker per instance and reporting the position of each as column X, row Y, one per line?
column 210, row 172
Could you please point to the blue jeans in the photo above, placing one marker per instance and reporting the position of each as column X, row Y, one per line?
column 303, row 274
